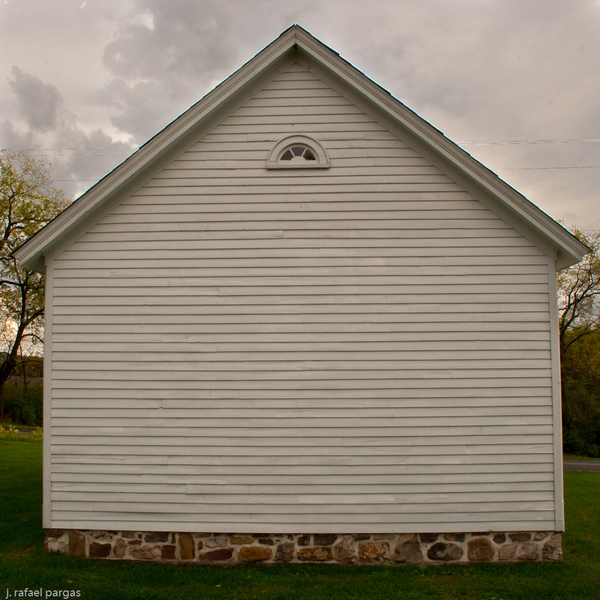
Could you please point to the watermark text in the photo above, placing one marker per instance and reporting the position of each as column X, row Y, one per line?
column 41, row 593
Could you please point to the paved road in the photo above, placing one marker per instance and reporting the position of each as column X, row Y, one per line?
column 582, row 465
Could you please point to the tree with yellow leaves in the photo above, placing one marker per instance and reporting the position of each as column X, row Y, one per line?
column 27, row 202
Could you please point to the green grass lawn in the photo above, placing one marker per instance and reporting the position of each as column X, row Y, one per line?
column 24, row 564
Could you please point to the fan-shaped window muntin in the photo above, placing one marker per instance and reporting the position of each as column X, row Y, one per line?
column 298, row 154
column 297, row 151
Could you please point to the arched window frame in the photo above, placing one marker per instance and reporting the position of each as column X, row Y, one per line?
column 274, row 161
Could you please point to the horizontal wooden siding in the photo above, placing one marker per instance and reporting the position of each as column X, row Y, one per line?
column 358, row 349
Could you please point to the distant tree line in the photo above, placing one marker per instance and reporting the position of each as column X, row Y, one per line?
column 23, row 401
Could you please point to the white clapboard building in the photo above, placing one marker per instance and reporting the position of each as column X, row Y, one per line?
column 301, row 312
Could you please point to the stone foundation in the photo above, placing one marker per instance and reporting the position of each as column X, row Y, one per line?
column 362, row 549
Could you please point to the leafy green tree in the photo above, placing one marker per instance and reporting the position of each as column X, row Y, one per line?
column 579, row 329
column 581, row 395
column 27, row 202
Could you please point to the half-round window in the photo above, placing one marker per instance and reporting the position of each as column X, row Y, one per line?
column 297, row 152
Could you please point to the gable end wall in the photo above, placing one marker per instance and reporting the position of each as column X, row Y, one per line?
column 364, row 348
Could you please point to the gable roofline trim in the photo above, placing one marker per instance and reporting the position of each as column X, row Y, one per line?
column 569, row 249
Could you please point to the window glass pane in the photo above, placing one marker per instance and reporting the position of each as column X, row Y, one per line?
column 297, row 154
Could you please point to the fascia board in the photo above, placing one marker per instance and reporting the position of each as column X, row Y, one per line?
column 31, row 253
column 569, row 249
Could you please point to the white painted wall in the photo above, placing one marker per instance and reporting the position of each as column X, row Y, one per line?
column 359, row 349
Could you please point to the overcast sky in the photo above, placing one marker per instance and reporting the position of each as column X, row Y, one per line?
column 84, row 82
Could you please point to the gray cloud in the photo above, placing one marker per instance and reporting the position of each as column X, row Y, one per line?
column 498, row 68
column 161, row 61
column 87, row 157
column 39, row 102
column 167, row 55
column 12, row 138
column 52, row 131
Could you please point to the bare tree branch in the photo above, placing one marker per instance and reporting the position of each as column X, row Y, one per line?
column 579, row 295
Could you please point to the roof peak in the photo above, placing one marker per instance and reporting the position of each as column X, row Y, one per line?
column 201, row 114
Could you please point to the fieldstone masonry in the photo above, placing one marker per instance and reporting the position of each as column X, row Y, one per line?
column 362, row 549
